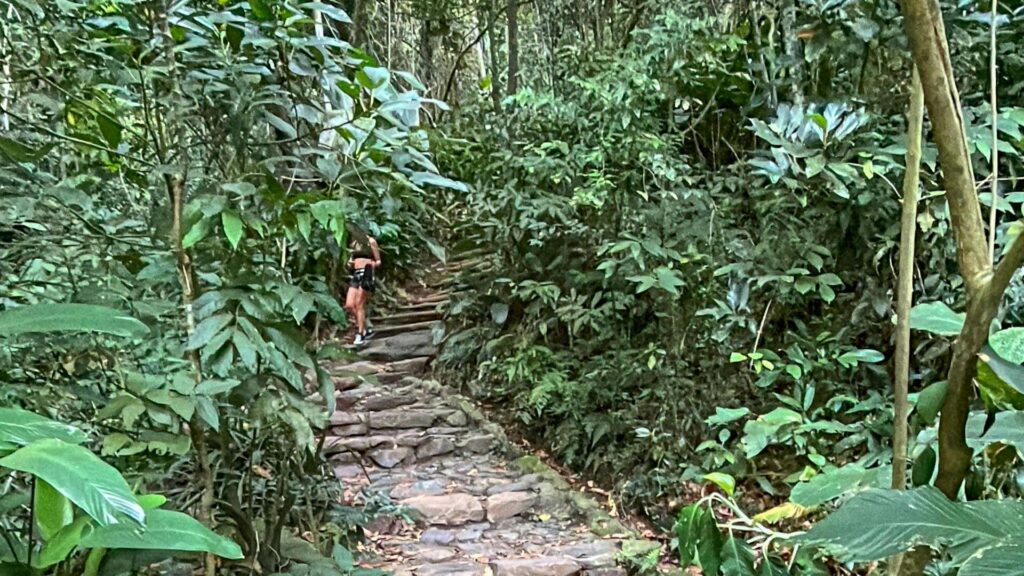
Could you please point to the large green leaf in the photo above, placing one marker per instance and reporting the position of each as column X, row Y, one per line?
column 879, row 523
column 1008, row 428
column 52, row 510
column 937, row 318
column 165, row 530
column 431, row 179
column 929, row 401
column 737, row 558
column 832, row 484
column 93, row 485
column 21, row 428
column 1003, row 559
column 61, row 544
column 1009, row 344
column 69, row 318
column 233, row 227
column 19, row 152
column 1000, row 381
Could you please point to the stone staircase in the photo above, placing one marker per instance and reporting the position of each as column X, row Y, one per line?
column 479, row 508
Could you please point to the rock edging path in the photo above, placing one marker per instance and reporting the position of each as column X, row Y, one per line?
column 478, row 509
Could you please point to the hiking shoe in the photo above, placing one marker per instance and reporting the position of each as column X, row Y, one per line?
column 359, row 340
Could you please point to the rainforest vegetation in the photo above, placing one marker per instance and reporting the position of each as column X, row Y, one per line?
column 749, row 267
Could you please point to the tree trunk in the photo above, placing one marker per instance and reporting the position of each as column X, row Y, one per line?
column 425, row 63
column 926, row 32
column 390, row 33
column 905, row 294
column 905, row 283
column 6, row 82
column 492, row 53
column 794, row 53
column 513, row 46
column 984, row 283
column 176, row 191
column 993, row 68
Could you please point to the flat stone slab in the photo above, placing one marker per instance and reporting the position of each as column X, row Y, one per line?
column 506, row 505
column 431, row 487
column 434, row 447
column 452, row 569
column 390, row 457
column 404, row 418
column 403, row 346
column 543, row 566
column 446, row 509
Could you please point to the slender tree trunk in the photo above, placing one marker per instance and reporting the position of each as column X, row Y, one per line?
column 994, row 103
column 175, row 184
column 766, row 73
column 984, row 283
column 905, row 294
column 492, row 50
column 6, row 81
column 513, row 46
column 926, row 32
column 794, row 53
column 359, row 23
column 425, row 64
column 390, row 33
column 481, row 58
column 905, row 283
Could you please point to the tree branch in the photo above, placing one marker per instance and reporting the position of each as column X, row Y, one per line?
column 1007, row 267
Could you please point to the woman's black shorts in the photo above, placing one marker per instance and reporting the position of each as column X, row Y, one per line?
column 363, row 278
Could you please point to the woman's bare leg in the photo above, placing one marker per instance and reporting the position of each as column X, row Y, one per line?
column 351, row 298
column 361, row 311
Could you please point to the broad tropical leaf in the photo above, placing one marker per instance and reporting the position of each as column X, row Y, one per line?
column 165, row 530
column 1009, row 344
column 936, row 318
column 737, row 558
column 832, row 484
column 21, row 428
column 40, row 318
column 879, row 523
column 1004, row 559
column 61, row 544
column 52, row 510
column 1000, row 381
column 93, row 485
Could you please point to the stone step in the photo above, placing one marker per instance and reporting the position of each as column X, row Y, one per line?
column 407, row 317
column 462, row 264
column 540, row 566
column 404, row 346
column 432, row 298
column 430, row 305
column 390, row 330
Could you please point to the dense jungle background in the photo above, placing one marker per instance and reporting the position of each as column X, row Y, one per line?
column 695, row 232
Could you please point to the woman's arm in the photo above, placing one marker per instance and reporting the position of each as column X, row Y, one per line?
column 376, row 252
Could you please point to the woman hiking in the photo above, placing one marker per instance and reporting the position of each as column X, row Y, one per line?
column 364, row 258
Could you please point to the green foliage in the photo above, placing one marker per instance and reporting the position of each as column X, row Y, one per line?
column 979, row 536
column 936, row 318
column 92, row 485
column 625, row 265
column 699, row 540
column 69, row 318
column 185, row 348
column 79, row 501
column 165, row 530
